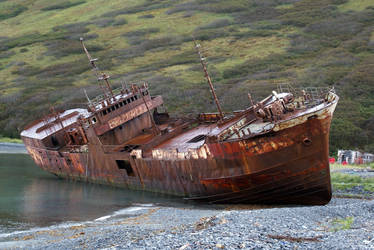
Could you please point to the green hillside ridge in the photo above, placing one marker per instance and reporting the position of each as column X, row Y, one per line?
column 251, row 45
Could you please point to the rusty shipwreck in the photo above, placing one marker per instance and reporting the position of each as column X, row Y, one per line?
column 274, row 151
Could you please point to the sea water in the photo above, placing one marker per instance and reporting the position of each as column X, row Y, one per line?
column 31, row 198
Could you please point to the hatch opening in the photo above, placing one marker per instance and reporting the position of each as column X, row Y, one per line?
column 123, row 164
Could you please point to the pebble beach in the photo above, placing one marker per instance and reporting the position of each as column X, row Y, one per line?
column 347, row 222
column 342, row 224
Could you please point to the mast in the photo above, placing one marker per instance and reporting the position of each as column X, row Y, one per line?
column 88, row 99
column 202, row 61
column 100, row 76
column 156, row 130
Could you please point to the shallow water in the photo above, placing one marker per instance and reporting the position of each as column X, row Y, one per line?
column 12, row 148
column 30, row 197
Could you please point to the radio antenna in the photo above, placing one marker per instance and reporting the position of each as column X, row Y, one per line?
column 203, row 63
column 101, row 76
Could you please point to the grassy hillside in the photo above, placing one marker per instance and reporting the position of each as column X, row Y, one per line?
column 251, row 46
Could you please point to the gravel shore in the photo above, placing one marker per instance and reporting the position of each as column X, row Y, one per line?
column 342, row 224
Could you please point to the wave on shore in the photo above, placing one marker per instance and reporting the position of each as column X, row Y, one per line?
column 125, row 212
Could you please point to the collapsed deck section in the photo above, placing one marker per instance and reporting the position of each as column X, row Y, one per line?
column 53, row 131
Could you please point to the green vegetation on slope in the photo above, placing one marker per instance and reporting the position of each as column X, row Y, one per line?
column 11, row 140
column 251, row 46
column 346, row 181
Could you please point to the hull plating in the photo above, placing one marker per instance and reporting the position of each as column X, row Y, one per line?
column 288, row 166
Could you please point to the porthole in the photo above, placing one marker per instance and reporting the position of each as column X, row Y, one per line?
column 307, row 141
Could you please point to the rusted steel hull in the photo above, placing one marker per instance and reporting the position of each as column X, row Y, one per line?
column 274, row 151
column 288, row 166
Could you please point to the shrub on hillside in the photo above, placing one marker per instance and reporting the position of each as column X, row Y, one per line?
column 6, row 54
column 60, row 48
column 72, row 28
column 11, row 10
column 272, row 63
column 74, row 31
column 120, row 22
column 253, row 33
column 304, row 44
column 148, row 5
column 63, row 5
column 342, row 27
column 146, row 16
column 256, row 14
column 28, row 39
column 361, row 42
column 215, row 24
column 210, row 6
column 105, row 22
column 307, row 12
column 345, row 134
column 141, row 32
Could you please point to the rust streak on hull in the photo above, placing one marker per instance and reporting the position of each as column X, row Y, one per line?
column 275, row 151
column 275, row 168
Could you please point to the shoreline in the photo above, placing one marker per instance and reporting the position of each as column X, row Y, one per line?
column 343, row 223
column 346, row 222
column 12, row 148
column 10, row 140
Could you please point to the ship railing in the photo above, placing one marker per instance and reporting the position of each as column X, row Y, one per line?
column 100, row 98
column 313, row 95
column 313, row 92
